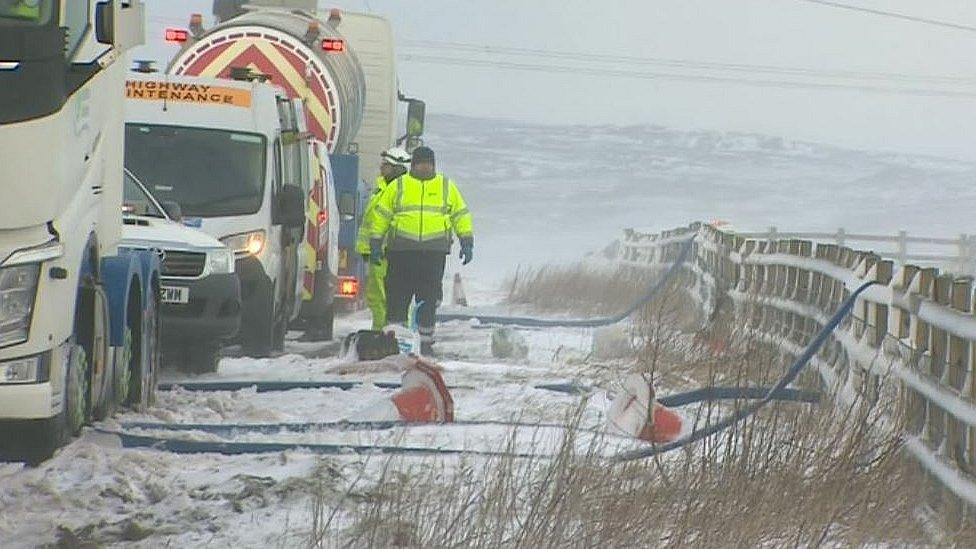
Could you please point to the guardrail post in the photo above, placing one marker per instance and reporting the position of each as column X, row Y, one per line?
column 967, row 254
column 960, row 300
column 940, row 337
column 902, row 247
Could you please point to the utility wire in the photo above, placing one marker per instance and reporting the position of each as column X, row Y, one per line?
column 648, row 75
column 895, row 15
column 684, row 63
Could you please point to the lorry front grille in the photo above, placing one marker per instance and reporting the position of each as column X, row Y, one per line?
column 184, row 264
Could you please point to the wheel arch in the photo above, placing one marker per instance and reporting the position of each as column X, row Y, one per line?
column 121, row 275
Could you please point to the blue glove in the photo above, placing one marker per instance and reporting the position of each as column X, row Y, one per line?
column 376, row 251
column 467, row 250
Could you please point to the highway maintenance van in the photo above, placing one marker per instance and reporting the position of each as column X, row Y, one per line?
column 342, row 64
column 200, row 293
column 235, row 157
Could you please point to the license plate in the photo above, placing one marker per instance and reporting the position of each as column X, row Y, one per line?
column 176, row 294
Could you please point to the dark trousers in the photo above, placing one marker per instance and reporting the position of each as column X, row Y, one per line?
column 415, row 274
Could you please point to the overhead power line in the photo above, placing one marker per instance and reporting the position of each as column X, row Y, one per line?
column 706, row 78
column 891, row 14
column 686, row 63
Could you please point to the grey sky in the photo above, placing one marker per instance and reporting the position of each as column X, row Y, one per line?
column 788, row 33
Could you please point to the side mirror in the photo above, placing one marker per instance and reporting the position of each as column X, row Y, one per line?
column 105, row 22
column 172, row 210
column 416, row 117
column 347, row 206
column 291, row 207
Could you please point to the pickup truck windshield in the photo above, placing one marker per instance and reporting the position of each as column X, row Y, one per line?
column 25, row 11
column 209, row 173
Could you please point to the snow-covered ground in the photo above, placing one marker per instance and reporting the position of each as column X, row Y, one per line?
column 147, row 498
column 539, row 194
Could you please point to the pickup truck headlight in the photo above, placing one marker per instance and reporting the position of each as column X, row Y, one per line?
column 245, row 244
column 18, row 288
column 220, row 261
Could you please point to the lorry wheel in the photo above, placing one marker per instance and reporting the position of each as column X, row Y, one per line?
column 124, row 366
column 55, row 432
column 94, row 335
column 202, row 357
column 146, row 357
column 76, row 392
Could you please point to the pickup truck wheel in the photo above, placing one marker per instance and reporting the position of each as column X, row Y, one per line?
column 202, row 357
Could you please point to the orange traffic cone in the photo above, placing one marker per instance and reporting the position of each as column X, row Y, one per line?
column 423, row 397
column 629, row 416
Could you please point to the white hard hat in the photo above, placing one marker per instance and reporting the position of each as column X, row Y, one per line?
column 396, row 155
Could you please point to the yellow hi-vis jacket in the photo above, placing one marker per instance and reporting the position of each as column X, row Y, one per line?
column 366, row 228
column 412, row 214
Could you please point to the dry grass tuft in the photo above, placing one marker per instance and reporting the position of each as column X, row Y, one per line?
column 792, row 475
column 580, row 288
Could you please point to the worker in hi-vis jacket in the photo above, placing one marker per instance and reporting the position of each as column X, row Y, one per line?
column 393, row 163
column 416, row 218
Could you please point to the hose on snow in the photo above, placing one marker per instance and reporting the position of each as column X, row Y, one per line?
column 530, row 322
column 790, row 375
column 182, row 446
column 282, row 386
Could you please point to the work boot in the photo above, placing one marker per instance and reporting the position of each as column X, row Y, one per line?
column 427, row 348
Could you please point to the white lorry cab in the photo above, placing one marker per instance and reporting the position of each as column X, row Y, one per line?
column 232, row 154
column 78, row 312
column 200, row 293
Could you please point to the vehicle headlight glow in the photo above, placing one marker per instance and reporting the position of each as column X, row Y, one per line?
column 18, row 288
column 245, row 244
column 220, row 261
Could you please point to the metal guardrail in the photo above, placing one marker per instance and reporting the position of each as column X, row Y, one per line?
column 911, row 339
column 956, row 254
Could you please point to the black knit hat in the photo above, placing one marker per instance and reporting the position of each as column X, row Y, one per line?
column 423, row 154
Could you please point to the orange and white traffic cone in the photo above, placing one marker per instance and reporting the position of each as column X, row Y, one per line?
column 629, row 414
column 423, row 397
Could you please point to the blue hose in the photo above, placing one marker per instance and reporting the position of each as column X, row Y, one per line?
column 130, row 440
column 282, row 386
column 249, row 448
column 791, row 374
column 651, row 293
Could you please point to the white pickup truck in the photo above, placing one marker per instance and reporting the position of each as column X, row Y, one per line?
column 201, row 294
